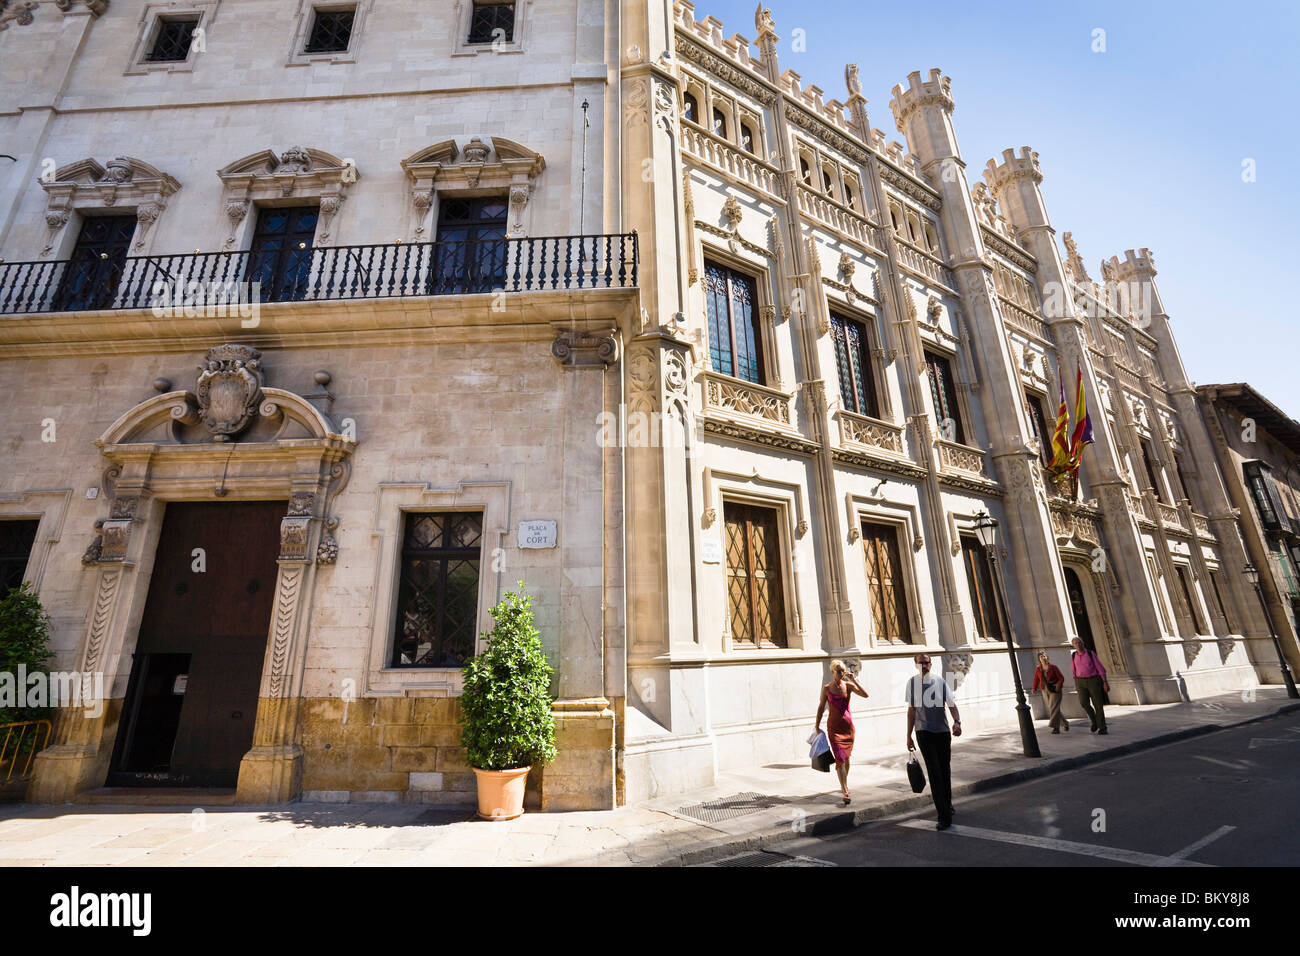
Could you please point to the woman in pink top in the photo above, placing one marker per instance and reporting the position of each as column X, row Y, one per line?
column 839, row 724
column 1091, row 684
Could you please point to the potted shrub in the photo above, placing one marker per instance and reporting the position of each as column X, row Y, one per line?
column 24, row 640
column 506, row 709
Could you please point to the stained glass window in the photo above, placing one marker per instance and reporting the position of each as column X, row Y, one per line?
column 943, row 391
column 734, row 343
column 853, row 361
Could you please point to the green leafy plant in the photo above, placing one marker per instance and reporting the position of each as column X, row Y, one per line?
column 24, row 639
column 506, row 702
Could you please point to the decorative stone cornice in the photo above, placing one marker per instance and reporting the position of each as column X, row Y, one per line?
column 966, row 483
column 1013, row 254
column 867, row 460
column 734, row 239
column 758, row 436
column 496, row 163
column 298, row 172
column 691, row 51
column 908, row 186
column 825, row 132
column 122, row 182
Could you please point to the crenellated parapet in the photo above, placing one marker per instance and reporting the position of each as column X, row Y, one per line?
column 1014, row 168
column 1133, row 266
column 936, row 91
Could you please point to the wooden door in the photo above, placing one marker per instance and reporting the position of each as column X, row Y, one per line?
column 755, row 594
column 192, row 702
column 885, row 582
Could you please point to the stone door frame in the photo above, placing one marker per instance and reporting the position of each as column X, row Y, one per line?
column 141, row 477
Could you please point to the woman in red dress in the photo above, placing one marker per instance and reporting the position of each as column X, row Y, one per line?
column 839, row 723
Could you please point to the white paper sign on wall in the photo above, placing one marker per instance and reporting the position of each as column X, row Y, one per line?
column 537, row 534
column 711, row 550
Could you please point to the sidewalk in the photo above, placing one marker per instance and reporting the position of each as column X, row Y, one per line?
column 743, row 812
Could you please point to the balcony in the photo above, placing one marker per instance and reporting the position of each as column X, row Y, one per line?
column 1170, row 516
column 871, row 432
column 733, row 397
column 963, row 458
column 542, row 264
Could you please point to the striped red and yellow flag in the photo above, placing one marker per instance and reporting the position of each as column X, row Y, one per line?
column 1082, row 422
column 1060, row 440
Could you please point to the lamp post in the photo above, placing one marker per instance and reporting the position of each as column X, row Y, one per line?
column 1252, row 575
column 986, row 529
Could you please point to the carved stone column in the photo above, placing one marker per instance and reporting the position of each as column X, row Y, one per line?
column 271, row 772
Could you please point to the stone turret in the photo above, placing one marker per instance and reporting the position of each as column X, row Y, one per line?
column 1015, row 186
column 923, row 113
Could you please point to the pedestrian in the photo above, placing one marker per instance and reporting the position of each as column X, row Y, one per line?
column 1048, row 678
column 1091, row 683
column 839, row 722
column 925, row 698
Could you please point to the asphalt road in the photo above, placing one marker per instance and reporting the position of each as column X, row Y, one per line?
column 1224, row 799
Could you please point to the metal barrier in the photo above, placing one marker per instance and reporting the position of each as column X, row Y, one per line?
column 12, row 750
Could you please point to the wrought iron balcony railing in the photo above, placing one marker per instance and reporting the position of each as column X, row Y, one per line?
column 542, row 264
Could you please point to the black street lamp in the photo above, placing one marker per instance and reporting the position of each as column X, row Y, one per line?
column 986, row 529
column 1252, row 575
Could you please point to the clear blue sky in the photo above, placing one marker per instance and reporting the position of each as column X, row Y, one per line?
column 1141, row 145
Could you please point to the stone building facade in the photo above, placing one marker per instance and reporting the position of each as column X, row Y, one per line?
column 423, row 376
column 861, row 343
column 1258, row 446
column 600, row 300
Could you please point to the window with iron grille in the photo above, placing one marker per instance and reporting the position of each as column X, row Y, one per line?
column 16, row 538
column 172, row 41
column 731, row 299
column 979, row 579
column 755, row 601
column 437, row 599
column 853, row 361
column 889, row 618
column 943, row 391
column 331, row 31
column 492, row 21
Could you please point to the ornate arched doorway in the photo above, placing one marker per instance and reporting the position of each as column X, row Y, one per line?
column 231, row 440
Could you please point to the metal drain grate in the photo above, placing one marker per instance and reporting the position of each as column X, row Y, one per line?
column 754, row 859
column 727, row 808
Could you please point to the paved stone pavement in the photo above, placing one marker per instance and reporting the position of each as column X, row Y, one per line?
column 743, row 811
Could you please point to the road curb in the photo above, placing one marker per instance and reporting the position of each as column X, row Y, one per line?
column 838, row 821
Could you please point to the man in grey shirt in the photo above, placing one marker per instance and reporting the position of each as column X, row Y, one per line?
column 926, row 696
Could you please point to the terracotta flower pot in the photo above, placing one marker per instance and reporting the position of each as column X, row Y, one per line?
column 501, row 793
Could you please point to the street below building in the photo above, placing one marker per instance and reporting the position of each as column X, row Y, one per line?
column 1222, row 799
